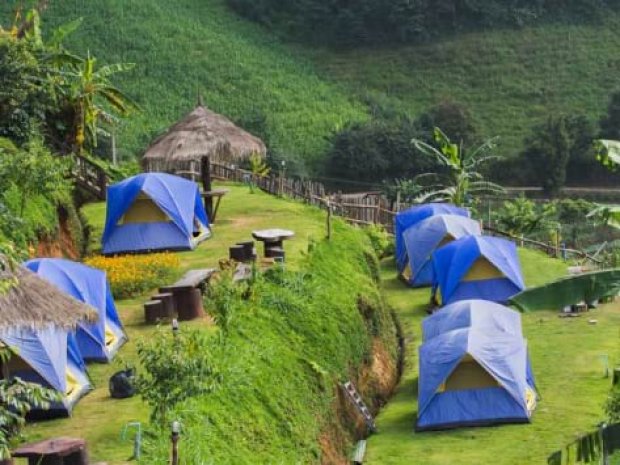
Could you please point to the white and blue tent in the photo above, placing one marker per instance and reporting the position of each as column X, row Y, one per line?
column 477, row 267
column 49, row 357
column 422, row 239
column 473, row 378
column 98, row 341
column 154, row 211
column 480, row 314
column 407, row 218
column 37, row 323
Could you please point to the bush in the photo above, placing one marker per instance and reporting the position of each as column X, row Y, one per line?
column 380, row 240
column 376, row 151
column 132, row 275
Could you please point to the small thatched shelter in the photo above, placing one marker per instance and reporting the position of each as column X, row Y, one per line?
column 33, row 303
column 202, row 133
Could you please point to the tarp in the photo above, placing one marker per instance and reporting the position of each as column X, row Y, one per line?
column 481, row 315
column 90, row 286
column 501, row 355
column 586, row 287
column 52, row 354
column 422, row 239
column 407, row 218
column 452, row 262
column 177, row 197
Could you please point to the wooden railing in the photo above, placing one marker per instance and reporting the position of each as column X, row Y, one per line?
column 363, row 208
column 90, row 177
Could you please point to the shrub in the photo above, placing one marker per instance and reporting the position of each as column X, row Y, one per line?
column 131, row 275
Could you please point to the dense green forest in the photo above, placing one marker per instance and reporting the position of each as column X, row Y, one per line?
column 310, row 103
column 353, row 21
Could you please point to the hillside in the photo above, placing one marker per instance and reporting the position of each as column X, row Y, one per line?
column 188, row 47
column 296, row 96
column 279, row 325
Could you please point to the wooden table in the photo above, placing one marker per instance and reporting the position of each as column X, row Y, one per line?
column 56, row 451
column 187, row 293
column 272, row 239
column 216, row 194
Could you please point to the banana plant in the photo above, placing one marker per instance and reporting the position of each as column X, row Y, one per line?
column 608, row 153
column 463, row 181
column 94, row 98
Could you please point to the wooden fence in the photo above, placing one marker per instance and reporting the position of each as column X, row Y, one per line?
column 363, row 208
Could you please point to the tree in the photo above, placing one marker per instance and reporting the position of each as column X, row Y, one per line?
column 33, row 171
column 547, row 152
column 610, row 123
column 174, row 369
column 376, row 151
column 463, row 182
column 455, row 121
column 86, row 88
column 522, row 216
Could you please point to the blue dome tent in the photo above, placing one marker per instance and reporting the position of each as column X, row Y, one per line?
column 407, row 218
column 50, row 357
column 477, row 267
column 98, row 341
column 422, row 239
column 480, row 314
column 154, row 211
column 473, row 378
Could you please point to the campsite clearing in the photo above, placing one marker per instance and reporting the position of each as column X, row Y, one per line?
column 98, row 418
column 569, row 372
column 565, row 356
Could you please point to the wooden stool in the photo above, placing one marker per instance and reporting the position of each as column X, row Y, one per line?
column 189, row 304
column 152, row 311
column 167, row 304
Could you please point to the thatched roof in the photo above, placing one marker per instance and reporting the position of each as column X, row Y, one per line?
column 201, row 133
column 33, row 303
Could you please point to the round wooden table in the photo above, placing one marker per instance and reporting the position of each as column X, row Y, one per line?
column 273, row 240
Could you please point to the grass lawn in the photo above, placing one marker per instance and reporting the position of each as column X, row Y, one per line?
column 566, row 360
column 98, row 418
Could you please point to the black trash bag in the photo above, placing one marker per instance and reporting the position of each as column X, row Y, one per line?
column 121, row 384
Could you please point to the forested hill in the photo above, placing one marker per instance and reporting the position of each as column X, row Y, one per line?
column 509, row 77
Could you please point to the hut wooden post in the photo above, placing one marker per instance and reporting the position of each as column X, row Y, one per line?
column 205, row 174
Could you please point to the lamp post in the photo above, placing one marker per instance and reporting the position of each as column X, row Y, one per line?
column 282, row 171
column 174, row 437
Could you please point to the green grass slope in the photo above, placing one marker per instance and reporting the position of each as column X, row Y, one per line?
column 569, row 373
column 187, row 47
column 510, row 79
column 286, row 346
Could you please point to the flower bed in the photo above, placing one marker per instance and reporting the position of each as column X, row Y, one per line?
column 131, row 275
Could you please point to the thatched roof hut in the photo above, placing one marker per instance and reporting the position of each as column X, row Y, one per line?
column 33, row 302
column 201, row 133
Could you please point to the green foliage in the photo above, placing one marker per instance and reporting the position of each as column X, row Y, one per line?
column 464, row 182
column 610, row 122
column 454, row 119
column 524, row 217
column 381, row 241
column 375, row 151
column 547, row 153
column 174, row 368
column 259, row 169
column 290, row 335
column 17, row 398
column 239, row 70
column 368, row 21
column 612, row 406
